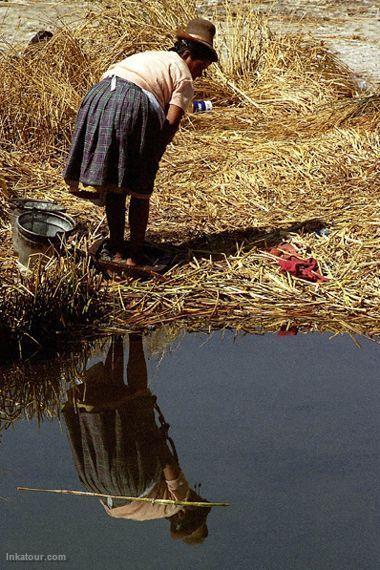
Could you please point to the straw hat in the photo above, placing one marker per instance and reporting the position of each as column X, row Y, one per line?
column 201, row 31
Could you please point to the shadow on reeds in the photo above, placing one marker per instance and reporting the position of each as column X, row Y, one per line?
column 227, row 242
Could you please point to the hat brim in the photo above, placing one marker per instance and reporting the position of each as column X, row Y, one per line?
column 182, row 35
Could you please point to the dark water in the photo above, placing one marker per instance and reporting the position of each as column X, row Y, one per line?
column 287, row 429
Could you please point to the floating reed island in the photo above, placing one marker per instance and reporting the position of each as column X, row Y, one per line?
column 292, row 146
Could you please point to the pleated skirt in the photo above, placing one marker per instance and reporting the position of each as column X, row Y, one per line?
column 118, row 452
column 116, row 144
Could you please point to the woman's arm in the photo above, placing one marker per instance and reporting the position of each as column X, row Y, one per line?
column 171, row 124
column 176, row 482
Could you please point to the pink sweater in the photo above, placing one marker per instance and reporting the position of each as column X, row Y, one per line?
column 162, row 73
column 178, row 489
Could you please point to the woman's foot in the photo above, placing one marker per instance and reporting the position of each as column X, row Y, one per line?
column 138, row 260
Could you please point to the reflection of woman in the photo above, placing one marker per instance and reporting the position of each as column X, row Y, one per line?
column 119, row 449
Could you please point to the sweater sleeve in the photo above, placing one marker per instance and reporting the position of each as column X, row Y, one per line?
column 183, row 88
column 182, row 94
column 179, row 488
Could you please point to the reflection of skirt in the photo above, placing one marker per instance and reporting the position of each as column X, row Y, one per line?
column 116, row 144
column 118, row 452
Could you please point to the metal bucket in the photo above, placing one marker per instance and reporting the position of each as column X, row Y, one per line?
column 39, row 226
column 41, row 232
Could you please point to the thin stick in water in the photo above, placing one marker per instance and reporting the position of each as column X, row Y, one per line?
column 137, row 499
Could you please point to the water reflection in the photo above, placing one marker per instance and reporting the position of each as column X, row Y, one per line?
column 34, row 389
column 121, row 444
column 287, row 429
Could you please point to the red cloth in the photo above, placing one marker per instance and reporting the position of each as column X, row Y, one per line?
column 291, row 331
column 290, row 261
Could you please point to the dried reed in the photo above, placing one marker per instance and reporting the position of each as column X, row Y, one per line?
column 55, row 298
column 201, row 504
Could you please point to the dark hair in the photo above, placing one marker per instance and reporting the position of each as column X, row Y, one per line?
column 196, row 49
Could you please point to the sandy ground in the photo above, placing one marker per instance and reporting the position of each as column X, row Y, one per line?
column 350, row 28
column 21, row 19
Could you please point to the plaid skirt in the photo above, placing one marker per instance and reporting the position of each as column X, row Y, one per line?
column 116, row 144
column 118, row 452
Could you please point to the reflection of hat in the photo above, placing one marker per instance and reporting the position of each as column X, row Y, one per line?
column 201, row 31
column 189, row 524
column 197, row 537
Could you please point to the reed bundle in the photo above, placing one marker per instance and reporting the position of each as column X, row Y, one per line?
column 44, row 303
column 292, row 144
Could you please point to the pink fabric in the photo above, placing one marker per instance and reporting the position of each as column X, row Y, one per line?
column 176, row 489
column 291, row 262
column 162, row 73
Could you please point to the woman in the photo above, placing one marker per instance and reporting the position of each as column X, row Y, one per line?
column 123, row 127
